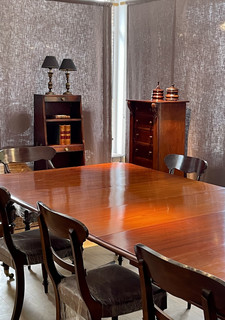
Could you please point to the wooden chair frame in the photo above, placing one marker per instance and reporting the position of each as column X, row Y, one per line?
column 197, row 287
column 26, row 154
column 185, row 164
column 68, row 227
column 20, row 256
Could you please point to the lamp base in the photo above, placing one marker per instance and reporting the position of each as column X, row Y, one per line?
column 50, row 92
column 68, row 92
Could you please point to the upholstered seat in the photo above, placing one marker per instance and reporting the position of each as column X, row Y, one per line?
column 29, row 242
column 103, row 285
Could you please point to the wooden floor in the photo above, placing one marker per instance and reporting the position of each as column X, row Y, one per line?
column 38, row 305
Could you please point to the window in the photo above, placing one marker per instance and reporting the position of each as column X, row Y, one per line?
column 119, row 47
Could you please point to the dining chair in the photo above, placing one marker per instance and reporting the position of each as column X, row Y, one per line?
column 107, row 291
column 185, row 164
column 200, row 288
column 26, row 154
column 24, row 248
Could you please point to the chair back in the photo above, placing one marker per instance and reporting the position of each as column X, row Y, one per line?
column 7, row 216
column 26, row 154
column 185, row 164
column 201, row 289
column 68, row 228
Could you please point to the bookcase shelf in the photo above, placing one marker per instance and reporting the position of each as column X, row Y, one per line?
column 58, row 123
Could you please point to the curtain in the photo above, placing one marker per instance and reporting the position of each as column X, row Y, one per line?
column 183, row 42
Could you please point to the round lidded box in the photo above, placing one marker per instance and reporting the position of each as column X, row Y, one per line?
column 172, row 93
column 157, row 94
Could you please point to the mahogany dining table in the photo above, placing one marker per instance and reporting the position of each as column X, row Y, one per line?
column 123, row 204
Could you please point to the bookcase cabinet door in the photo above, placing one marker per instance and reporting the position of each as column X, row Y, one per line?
column 58, row 122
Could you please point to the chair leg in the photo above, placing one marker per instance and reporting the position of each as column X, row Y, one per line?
column 120, row 260
column 188, row 305
column 18, row 304
column 6, row 271
column 26, row 220
column 114, row 318
column 45, row 278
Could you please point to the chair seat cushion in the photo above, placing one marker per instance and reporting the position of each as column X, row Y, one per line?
column 115, row 287
column 29, row 242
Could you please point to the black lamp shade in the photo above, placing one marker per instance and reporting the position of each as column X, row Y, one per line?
column 50, row 62
column 67, row 64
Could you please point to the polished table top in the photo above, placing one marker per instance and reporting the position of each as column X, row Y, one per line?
column 124, row 204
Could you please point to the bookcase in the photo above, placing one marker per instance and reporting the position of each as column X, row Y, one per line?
column 58, row 122
column 156, row 129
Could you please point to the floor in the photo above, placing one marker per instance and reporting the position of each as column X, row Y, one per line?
column 38, row 305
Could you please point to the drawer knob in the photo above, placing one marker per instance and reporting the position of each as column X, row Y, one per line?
column 66, row 149
column 136, row 149
column 150, row 122
column 136, row 120
column 137, row 134
column 150, row 137
column 150, row 152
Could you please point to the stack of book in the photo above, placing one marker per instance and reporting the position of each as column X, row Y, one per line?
column 65, row 134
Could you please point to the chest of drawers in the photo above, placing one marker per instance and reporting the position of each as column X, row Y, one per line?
column 156, row 129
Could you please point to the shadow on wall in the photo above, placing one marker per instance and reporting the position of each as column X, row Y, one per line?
column 19, row 122
column 16, row 129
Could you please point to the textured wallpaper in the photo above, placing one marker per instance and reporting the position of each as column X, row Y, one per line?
column 183, row 42
column 32, row 29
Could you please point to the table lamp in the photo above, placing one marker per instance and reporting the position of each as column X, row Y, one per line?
column 50, row 62
column 67, row 65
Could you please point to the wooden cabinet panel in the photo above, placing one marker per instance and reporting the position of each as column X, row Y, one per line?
column 156, row 129
column 51, row 114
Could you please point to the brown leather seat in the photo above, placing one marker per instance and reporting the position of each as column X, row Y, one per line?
column 108, row 291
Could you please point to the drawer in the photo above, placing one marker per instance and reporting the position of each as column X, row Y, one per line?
column 143, row 121
column 68, row 148
column 145, row 107
column 143, row 135
column 143, row 151
column 143, row 162
column 65, row 98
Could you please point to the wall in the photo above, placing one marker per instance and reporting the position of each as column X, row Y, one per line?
column 183, row 42
column 32, row 29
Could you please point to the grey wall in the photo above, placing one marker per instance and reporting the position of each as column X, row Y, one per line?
column 32, row 29
column 183, row 42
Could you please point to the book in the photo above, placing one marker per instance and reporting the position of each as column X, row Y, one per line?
column 62, row 134
column 65, row 134
column 59, row 116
